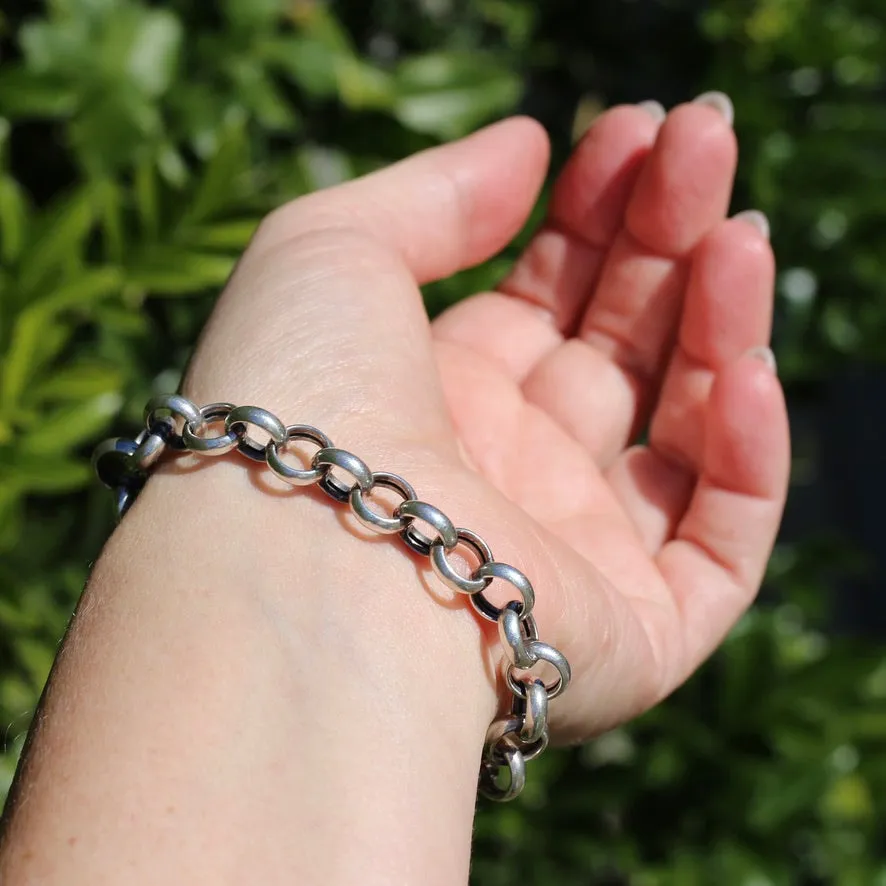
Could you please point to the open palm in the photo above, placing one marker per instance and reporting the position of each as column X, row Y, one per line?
column 626, row 307
column 637, row 305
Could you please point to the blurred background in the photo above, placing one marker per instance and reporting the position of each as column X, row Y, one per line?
column 141, row 142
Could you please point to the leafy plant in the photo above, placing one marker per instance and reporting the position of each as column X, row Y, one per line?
column 140, row 144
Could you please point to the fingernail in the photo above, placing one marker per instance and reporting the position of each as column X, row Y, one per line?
column 756, row 218
column 764, row 355
column 654, row 109
column 719, row 101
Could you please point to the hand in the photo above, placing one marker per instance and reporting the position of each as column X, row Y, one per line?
column 518, row 412
column 247, row 690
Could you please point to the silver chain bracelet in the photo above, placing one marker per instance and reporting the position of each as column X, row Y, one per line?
column 123, row 465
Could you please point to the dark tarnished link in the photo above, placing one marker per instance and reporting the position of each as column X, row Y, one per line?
column 509, row 574
column 511, row 741
column 261, row 418
column 288, row 474
column 340, row 458
column 507, row 731
column 445, row 571
column 124, row 498
column 506, row 756
column 420, row 510
column 221, row 444
column 174, row 405
column 541, row 652
column 113, row 463
column 369, row 518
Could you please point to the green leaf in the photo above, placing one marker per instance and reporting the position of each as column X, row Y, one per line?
column 252, row 14
column 217, row 188
column 66, row 428
column 84, row 291
column 448, row 95
column 171, row 166
column 362, row 86
column 25, row 94
column 59, row 46
column 146, row 197
column 170, row 270
column 114, row 128
column 36, row 657
column 36, row 335
column 31, row 473
column 58, row 237
column 24, row 356
column 224, row 235
column 258, row 94
column 155, row 48
column 78, row 382
column 13, row 219
column 110, row 198
column 305, row 61
column 318, row 22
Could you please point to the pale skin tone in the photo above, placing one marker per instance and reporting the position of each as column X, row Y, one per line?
column 252, row 690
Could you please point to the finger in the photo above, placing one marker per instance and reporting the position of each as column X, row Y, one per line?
column 544, row 295
column 717, row 560
column 331, row 278
column 441, row 210
column 559, row 267
column 682, row 192
column 727, row 312
column 653, row 491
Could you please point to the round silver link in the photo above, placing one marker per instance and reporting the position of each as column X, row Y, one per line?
column 173, row 404
column 445, row 571
column 542, row 652
column 331, row 457
column 221, row 444
column 533, row 708
column 514, row 632
column 296, row 476
column 509, row 574
column 152, row 443
column 369, row 518
column 414, row 510
column 507, row 731
column 261, row 418
column 507, row 756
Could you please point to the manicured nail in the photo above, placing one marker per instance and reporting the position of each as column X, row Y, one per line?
column 764, row 355
column 719, row 101
column 654, row 109
column 756, row 218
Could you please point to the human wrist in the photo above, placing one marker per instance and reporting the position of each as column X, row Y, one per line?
column 251, row 651
column 309, row 694
column 320, row 580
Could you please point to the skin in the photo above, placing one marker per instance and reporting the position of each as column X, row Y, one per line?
column 252, row 691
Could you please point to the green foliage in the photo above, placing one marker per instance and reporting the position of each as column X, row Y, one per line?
column 140, row 143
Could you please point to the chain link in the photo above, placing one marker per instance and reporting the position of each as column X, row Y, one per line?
column 445, row 571
column 123, row 465
column 369, row 518
column 221, row 444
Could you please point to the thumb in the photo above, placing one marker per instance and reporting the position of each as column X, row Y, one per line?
column 323, row 320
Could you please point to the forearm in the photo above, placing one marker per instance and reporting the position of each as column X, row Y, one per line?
column 252, row 693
